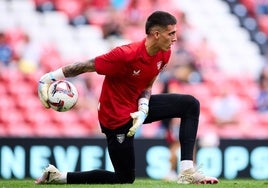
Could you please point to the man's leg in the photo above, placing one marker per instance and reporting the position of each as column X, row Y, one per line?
column 121, row 151
column 187, row 108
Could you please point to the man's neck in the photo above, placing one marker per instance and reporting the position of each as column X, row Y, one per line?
column 151, row 46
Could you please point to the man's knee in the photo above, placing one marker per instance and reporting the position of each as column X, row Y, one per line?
column 127, row 178
column 195, row 102
column 130, row 180
column 194, row 105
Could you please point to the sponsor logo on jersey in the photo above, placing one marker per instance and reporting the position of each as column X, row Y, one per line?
column 136, row 72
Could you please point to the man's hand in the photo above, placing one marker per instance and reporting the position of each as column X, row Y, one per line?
column 139, row 116
column 138, row 119
column 43, row 93
column 44, row 84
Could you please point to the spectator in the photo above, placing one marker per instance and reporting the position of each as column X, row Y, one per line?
column 135, row 13
column 261, row 7
column 206, row 57
column 171, row 127
column 225, row 107
column 29, row 55
column 6, row 54
column 183, row 65
column 183, row 70
column 87, row 103
column 88, row 99
column 185, row 28
column 262, row 99
column 113, row 26
column 119, row 4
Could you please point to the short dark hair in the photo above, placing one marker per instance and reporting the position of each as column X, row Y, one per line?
column 159, row 18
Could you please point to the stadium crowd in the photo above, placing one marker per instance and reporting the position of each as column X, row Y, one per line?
column 231, row 105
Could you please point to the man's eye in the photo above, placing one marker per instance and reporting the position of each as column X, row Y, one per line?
column 172, row 34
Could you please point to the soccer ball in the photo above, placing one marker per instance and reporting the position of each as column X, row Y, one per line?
column 62, row 95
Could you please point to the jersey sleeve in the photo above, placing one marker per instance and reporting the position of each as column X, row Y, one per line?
column 110, row 63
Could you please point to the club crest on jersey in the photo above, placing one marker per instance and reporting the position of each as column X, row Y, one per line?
column 159, row 64
column 136, row 72
column 120, row 138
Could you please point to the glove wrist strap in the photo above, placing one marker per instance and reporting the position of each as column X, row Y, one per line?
column 143, row 105
column 57, row 75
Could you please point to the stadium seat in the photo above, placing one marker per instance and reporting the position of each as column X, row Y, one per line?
column 150, row 130
column 36, row 117
column 7, row 103
column 64, row 117
column 71, row 8
column 75, row 130
column 4, row 6
column 260, row 132
column 48, row 129
column 263, row 23
column 12, row 115
column 15, row 124
column 3, row 131
column 21, row 90
column 22, row 6
column 28, row 104
column 28, row 21
column 250, row 5
column 206, row 127
column 19, row 130
column 50, row 58
column 263, row 119
column 44, row 5
column 54, row 19
column 230, row 132
column 12, row 76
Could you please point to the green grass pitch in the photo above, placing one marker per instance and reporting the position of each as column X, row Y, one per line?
column 140, row 183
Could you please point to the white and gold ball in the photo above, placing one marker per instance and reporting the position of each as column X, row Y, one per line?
column 62, row 95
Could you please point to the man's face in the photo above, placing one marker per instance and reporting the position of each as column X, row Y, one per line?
column 167, row 37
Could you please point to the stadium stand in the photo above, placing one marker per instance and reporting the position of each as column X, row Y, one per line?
column 252, row 18
column 67, row 31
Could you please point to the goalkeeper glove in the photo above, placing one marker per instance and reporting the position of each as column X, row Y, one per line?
column 44, row 84
column 139, row 116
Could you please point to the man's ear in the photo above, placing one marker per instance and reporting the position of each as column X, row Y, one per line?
column 156, row 34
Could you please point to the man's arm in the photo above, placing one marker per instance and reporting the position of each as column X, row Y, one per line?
column 143, row 108
column 61, row 73
column 148, row 91
column 78, row 68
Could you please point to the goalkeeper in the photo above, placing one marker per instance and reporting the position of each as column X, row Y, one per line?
column 126, row 103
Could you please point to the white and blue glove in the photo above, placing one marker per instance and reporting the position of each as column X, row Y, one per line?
column 45, row 82
column 139, row 116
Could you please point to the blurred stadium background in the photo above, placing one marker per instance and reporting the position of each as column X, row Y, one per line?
column 220, row 58
column 225, row 40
